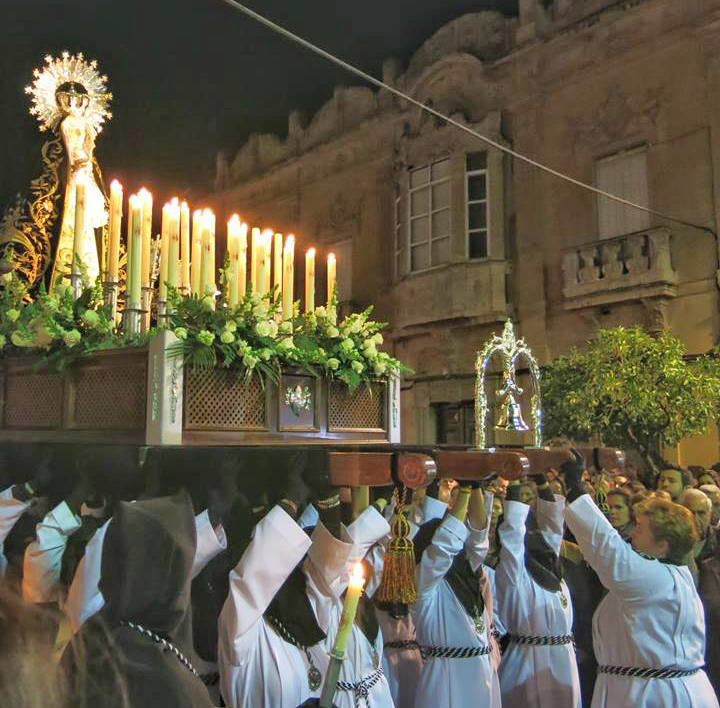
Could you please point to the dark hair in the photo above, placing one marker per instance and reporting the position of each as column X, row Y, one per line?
column 625, row 494
column 685, row 475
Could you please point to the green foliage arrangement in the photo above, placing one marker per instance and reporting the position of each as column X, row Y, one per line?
column 249, row 339
column 633, row 390
column 253, row 340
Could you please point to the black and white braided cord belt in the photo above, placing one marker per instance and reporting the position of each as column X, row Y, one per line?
column 554, row 641
column 361, row 689
column 439, row 652
column 645, row 673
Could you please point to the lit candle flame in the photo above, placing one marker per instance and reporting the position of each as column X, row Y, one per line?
column 357, row 577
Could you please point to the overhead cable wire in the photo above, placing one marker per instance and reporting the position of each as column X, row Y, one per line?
column 429, row 109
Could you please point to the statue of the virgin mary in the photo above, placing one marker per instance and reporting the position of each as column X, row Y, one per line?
column 70, row 99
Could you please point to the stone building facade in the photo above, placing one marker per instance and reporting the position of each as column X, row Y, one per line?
column 449, row 237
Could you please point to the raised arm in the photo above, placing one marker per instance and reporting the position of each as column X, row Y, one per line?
column 511, row 567
column 619, row 567
column 42, row 562
column 478, row 523
column 211, row 540
column 278, row 545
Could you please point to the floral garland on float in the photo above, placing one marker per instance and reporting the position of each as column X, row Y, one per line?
column 116, row 292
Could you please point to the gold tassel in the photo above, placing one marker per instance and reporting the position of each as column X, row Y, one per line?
column 398, row 578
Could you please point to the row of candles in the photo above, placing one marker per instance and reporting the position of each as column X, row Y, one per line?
column 187, row 256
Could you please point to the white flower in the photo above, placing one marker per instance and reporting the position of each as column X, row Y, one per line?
column 357, row 367
column 12, row 314
column 333, row 363
column 231, row 326
column 286, row 327
column 333, row 332
column 286, row 343
column 72, row 338
column 273, row 329
column 3, row 341
column 181, row 333
column 227, row 337
column 380, row 368
column 263, row 328
column 249, row 361
column 261, row 310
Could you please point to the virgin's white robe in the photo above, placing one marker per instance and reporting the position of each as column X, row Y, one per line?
column 539, row 676
column 84, row 598
column 441, row 620
column 11, row 510
column 651, row 617
column 404, row 666
column 42, row 562
column 257, row 667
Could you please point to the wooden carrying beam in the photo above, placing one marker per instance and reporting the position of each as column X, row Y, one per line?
column 375, row 469
column 478, row 464
column 542, row 459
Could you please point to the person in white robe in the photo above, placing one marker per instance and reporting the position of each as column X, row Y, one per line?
column 538, row 667
column 453, row 630
column 11, row 509
column 649, row 630
column 402, row 660
column 84, row 598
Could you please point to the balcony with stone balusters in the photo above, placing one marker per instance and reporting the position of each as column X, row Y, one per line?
column 629, row 267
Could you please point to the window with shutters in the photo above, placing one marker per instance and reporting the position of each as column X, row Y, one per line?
column 476, row 200
column 624, row 175
column 428, row 216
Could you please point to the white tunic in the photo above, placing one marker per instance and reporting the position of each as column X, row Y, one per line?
column 11, row 510
column 404, row 666
column 42, row 562
column 257, row 667
column 541, row 676
column 84, row 598
column 651, row 617
column 362, row 659
column 441, row 621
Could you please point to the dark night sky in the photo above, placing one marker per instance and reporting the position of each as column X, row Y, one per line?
column 192, row 76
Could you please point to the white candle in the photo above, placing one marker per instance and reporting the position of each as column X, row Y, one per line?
column 196, row 261
column 267, row 267
column 114, row 226
column 135, row 263
column 288, row 277
column 331, row 276
column 146, row 202
column 164, row 251
column 173, row 243
column 255, row 245
column 277, row 267
column 233, row 249
column 310, row 280
column 79, row 228
column 185, row 248
column 242, row 261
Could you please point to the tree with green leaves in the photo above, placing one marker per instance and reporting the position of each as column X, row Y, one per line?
column 631, row 389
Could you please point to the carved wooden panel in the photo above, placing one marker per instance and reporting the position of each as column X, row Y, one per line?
column 220, row 400
column 110, row 397
column 33, row 400
column 362, row 410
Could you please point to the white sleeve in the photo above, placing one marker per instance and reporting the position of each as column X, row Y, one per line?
column 11, row 510
column 210, row 541
column 446, row 543
column 620, row 569
column 43, row 557
column 277, row 546
column 511, row 566
column 369, row 528
column 432, row 508
column 477, row 544
column 84, row 598
column 551, row 521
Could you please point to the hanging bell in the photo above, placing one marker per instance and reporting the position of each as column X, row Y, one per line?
column 511, row 416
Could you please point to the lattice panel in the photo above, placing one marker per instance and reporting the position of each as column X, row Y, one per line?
column 33, row 400
column 363, row 410
column 216, row 400
column 110, row 398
